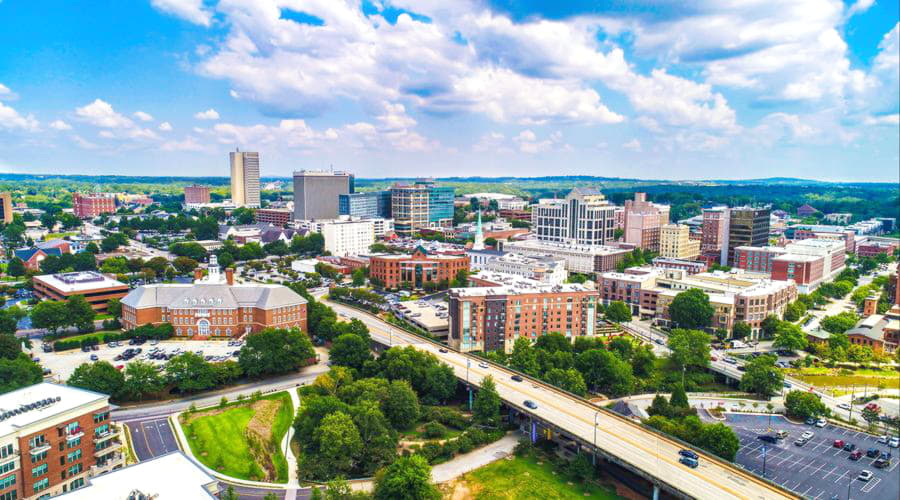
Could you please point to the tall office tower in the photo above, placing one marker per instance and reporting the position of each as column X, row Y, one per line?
column 245, row 179
column 642, row 221
column 584, row 217
column 317, row 193
column 675, row 242
column 746, row 227
column 409, row 207
column 196, row 194
column 6, row 214
column 715, row 225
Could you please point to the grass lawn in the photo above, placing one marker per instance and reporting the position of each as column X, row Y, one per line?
column 522, row 478
column 832, row 377
column 98, row 334
column 219, row 440
column 416, row 433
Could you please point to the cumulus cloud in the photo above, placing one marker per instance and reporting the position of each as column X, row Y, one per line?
column 859, row 7
column 142, row 116
column 190, row 10
column 209, row 114
column 189, row 143
column 11, row 119
column 633, row 145
column 6, row 93
column 101, row 114
column 165, row 127
column 60, row 125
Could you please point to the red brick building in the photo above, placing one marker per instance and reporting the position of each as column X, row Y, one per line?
column 196, row 194
column 88, row 206
column 276, row 216
column 871, row 249
column 803, row 269
column 416, row 269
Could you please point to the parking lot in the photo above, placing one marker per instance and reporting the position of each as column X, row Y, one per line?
column 817, row 469
column 64, row 363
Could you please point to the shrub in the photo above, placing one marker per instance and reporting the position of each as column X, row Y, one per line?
column 434, row 430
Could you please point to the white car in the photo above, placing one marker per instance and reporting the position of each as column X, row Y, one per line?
column 821, row 423
column 808, row 434
column 895, row 442
column 864, row 475
column 844, row 406
column 884, row 439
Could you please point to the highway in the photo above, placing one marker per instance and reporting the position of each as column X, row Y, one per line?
column 655, row 455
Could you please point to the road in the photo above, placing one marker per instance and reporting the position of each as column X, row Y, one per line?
column 657, row 456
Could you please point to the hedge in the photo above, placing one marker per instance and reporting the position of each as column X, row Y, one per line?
column 161, row 332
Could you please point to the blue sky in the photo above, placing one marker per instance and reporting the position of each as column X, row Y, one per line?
column 647, row 88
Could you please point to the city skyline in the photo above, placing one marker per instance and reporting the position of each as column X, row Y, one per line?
column 403, row 89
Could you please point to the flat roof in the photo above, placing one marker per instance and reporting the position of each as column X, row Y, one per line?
column 521, row 288
column 428, row 318
column 41, row 401
column 80, row 281
column 172, row 476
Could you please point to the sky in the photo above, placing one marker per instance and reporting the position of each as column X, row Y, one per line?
column 652, row 89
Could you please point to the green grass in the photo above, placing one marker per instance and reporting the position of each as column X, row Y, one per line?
column 53, row 236
column 415, row 434
column 522, row 478
column 219, row 441
column 98, row 335
column 832, row 377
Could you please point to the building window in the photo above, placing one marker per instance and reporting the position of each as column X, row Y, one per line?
column 101, row 417
column 12, row 495
column 74, row 470
column 6, row 482
column 40, row 470
column 37, row 457
column 42, row 485
column 75, row 455
column 6, row 451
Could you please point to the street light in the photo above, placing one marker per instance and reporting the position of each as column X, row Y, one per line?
column 765, row 448
column 596, row 415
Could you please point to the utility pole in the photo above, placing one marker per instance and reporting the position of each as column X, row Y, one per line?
column 597, row 414
column 765, row 448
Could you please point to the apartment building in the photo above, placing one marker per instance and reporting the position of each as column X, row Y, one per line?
column 542, row 268
column 96, row 288
column 675, row 242
column 691, row 266
column 642, row 221
column 757, row 259
column 586, row 259
column 196, row 193
column 88, row 206
column 492, row 318
column 348, row 237
column 277, row 216
column 214, row 306
column 317, row 192
column 626, row 286
column 714, row 232
column 365, row 205
column 244, row 178
column 416, row 269
column 53, row 438
column 584, row 217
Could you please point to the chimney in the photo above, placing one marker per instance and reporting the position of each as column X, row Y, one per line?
column 198, row 274
column 229, row 276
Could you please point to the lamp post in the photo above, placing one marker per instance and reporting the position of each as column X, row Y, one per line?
column 468, row 387
column 596, row 414
column 765, row 448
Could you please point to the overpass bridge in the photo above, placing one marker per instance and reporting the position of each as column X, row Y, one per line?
column 636, row 448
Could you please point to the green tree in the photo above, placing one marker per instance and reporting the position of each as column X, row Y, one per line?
column 622, row 346
column 790, row 336
column 762, row 377
column 359, row 276
column 338, row 444
column 691, row 309
column 50, row 315
column 8, row 323
column 114, row 308
column 408, row 478
column 439, row 385
column 275, row 350
column 839, row 323
column 770, row 325
column 720, row 440
column 740, row 330
column 803, row 405
column 552, row 342
column 379, row 441
column 80, row 313
column 314, row 408
column 486, row 406
column 350, row 350
column 19, row 372
column 401, row 405
column 604, row 371
column 141, row 378
column 99, row 377
column 524, row 357
column 618, row 312
column 10, row 346
column 643, row 361
column 839, row 341
column 184, row 265
column 569, row 380
column 679, row 399
column 190, row 372
column 16, row 267
column 690, row 348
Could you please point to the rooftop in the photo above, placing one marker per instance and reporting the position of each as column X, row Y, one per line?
column 521, row 287
column 31, row 404
column 550, row 247
column 212, row 296
column 80, row 281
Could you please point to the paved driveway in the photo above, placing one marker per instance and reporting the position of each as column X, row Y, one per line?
column 151, row 437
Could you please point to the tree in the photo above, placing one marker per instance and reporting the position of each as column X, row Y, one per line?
column 313, row 409
column 275, row 351
column 839, row 323
column 660, row 406
column 691, row 309
column 50, row 315
column 792, row 312
column 803, row 405
column 618, row 312
column 10, row 346
column 552, row 342
column 141, row 378
column 643, row 361
column 461, row 280
column 622, row 347
column 401, row 405
column 408, row 478
column 440, row 384
column 762, row 377
column 19, row 372
column 720, row 440
column 350, row 350
column 190, row 372
column 80, row 313
column 359, row 276
column 524, row 358
column 604, row 371
column 569, row 380
column 379, row 441
column 184, row 265
column 16, row 267
column 337, row 443
column 770, row 325
column 839, row 341
column 690, row 348
column 100, row 377
column 741, row 330
column 679, row 399
column 114, row 308
column 8, row 323
column 486, row 407
column 790, row 336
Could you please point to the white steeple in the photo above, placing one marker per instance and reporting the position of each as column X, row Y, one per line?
column 479, row 235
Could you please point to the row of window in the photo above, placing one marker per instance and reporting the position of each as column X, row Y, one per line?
column 8, row 481
column 6, row 450
column 8, row 466
column 12, row 495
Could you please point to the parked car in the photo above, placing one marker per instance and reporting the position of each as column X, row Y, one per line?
column 894, row 442
column 838, row 443
column 810, row 421
column 856, row 455
column 483, row 365
column 94, row 357
column 517, row 378
column 781, row 434
column 849, row 447
column 885, row 455
column 690, row 462
column 800, row 441
column 768, row 438
column 881, row 463
column 884, row 439
column 873, row 452
column 530, row 404
column 865, row 475
column 844, row 406
column 821, row 423
column 442, row 350
column 808, row 435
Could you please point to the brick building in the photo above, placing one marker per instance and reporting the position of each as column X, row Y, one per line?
column 52, row 438
column 873, row 248
column 276, row 216
column 96, row 288
column 492, row 318
column 88, row 206
column 214, row 306
column 626, row 286
column 416, row 269
column 195, row 194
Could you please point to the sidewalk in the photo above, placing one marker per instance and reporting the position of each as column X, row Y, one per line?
column 461, row 464
column 293, row 481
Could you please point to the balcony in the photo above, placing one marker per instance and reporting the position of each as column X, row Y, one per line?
column 114, row 462
column 72, row 435
column 107, row 434
column 112, row 447
column 40, row 448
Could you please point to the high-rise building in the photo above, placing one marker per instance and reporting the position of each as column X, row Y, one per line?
column 88, row 206
column 675, row 242
column 317, row 192
column 365, row 205
column 714, row 233
column 348, row 237
column 6, row 213
column 421, row 205
column 641, row 221
column 196, row 194
column 245, row 179
column 747, row 226
column 584, row 217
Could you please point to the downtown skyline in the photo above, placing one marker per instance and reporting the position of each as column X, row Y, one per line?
column 402, row 89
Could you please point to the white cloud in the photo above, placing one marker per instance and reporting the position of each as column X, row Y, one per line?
column 101, row 114
column 859, row 7
column 60, row 125
column 189, row 10
column 6, row 94
column 187, row 144
column 492, row 142
column 633, row 145
column 84, row 143
column 11, row 119
column 209, row 114
column 165, row 127
column 142, row 116
column 528, row 142
column 893, row 119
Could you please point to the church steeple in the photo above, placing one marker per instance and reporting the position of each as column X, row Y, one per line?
column 479, row 235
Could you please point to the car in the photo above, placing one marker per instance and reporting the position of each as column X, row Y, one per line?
column 856, row 455
column 884, row 439
column 154, row 342
column 118, row 357
column 517, row 378
column 94, row 357
column 894, row 442
column 849, row 447
column 787, row 385
column 741, row 368
column 768, row 438
column 47, row 348
column 886, row 455
column 781, row 434
column 85, row 348
column 530, row 404
column 838, row 443
column 658, row 341
column 864, row 475
column 713, row 358
column 872, row 406
column 872, row 452
column 800, row 441
column 844, row 406
column 821, row 423
column 690, row 462
column 882, row 463
column 483, row 365
column 688, row 453
column 120, row 367
column 731, row 361
column 808, row 435
column 810, row 421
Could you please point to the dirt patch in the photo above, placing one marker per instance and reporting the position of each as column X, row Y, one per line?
column 187, row 418
column 460, row 489
column 259, row 434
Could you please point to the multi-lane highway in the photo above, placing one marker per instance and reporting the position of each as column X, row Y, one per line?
column 654, row 455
